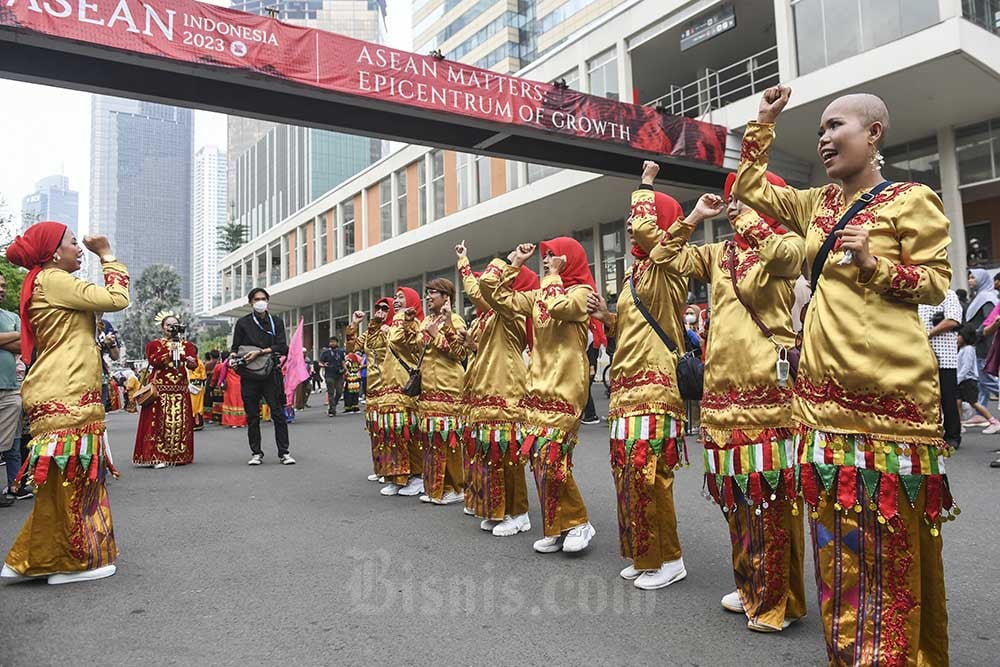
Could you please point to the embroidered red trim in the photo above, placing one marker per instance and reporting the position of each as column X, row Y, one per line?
column 753, row 397
column 94, row 397
column 881, row 405
column 644, row 209
column 750, row 151
column 484, row 401
column 439, row 397
column 493, row 270
column 757, row 232
column 536, row 402
column 543, row 316
column 905, row 280
column 743, row 264
column 47, row 409
column 465, row 271
column 112, row 277
column 640, row 380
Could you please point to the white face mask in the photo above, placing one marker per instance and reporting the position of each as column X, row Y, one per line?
column 690, row 318
column 260, row 306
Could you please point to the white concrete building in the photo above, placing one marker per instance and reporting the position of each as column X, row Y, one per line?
column 208, row 214
column 935, row 62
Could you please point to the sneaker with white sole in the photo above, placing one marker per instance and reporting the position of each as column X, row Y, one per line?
column 6, row 572
column 669, row 573
column 590, row 421
column 372, row 478
column 992, row 428
column 425, row 498
column 287, row 460
column 630, row 573
column 390, row 489
column 489, row 524
column 978, row 420
column 760, row 627
column 449, row 498
column 159, row 466
column 256, row 460
column 733, row 602
column 548, row 545
column 86, row 575
column 414, row 487
column 468, row 511
column 512, row 525
column 578, row 538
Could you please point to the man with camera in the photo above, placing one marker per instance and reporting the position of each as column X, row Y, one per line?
column 942, row 323
column 258, row 341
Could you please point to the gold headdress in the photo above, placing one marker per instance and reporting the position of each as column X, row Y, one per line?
column 164, row 314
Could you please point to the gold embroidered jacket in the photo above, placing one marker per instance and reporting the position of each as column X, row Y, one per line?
column 394, row 376
column 374, row 343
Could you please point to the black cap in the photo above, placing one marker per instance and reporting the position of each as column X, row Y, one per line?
column 255, row 290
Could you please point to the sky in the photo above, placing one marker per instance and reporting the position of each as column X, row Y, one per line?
column 47, row 130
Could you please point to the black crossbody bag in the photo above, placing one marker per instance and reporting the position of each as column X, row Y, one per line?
column 413, row 385
column 690, row 369
column 824, row 252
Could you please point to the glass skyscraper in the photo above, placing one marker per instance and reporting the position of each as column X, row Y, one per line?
column 140, row 184
column 51, row 200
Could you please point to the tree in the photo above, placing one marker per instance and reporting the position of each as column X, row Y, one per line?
column 232, row 236
column 13, row 274
column 158, row 289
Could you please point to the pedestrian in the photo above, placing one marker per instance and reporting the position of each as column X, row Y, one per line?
column 495, row 383
column 646, row 413
column 694, row 329
column 373, row 344
column 352, row 382
column 69, row 535
column 557, row 379
column 198, row 378
column 967, row 375
column 316, row 376
column 208, row 409
column 164, row 436
column 110, row 346
column 258, row 341
column 984, row 300
column 866, row 396
column 10, row 398
column 942, row 323
column 593, row 353
column 746, row 411
column 332, row 360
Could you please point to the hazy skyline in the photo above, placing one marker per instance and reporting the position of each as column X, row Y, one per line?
column 49, row 128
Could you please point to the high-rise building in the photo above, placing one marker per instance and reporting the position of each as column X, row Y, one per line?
column 51, row 200
column 140, row 183
column 208, row 214
column 275, row 170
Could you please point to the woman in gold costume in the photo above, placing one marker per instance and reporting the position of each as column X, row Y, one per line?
column 374, row 344
column 495, row 383
column 399, row 433
column 746, row 410
column 68, row 536
column 437, row 344
column 867, row 396
column 646, row 417
column 557, row 379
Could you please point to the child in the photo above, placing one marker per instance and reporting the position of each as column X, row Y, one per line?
column 352, row 382
column 968, row 377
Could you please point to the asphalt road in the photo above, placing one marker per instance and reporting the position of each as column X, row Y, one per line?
column 224, row 564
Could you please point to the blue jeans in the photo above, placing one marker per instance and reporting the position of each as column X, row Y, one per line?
column 12, row 457
column 988, row 384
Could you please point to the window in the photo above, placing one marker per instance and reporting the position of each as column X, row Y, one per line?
column 484, row 180
column 227, row 285
column 421, row 193
column 437, row 182
column 586, row 239
column 984, row 13
column 513, row 175
column 321, row 236
column 537, row 172
column 978, row 149
column 572, row 78
column 345, row 235
column 916, row 161
column 385, row 208
column 401, row 199
column 300, row 249
column 462, row 166
column 274, row 252
column 613, row 251
column 603, row 75
column 286, row 255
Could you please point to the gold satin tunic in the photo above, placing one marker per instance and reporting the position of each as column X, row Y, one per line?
column 443, row 375
column 374, row 343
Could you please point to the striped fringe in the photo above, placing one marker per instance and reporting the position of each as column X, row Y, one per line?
column 533, row 438
column 76, row 452
column 661, row 434
column 751, row 471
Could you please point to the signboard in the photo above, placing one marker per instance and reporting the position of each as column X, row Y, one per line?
column 707, row 26
column 195, row 32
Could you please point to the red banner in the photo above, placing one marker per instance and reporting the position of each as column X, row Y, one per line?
column 194, row 32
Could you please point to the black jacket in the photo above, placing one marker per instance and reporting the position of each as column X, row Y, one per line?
column 258, row 334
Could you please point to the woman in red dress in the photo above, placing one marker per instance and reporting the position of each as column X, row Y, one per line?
column 233, row 414
column 166, row 427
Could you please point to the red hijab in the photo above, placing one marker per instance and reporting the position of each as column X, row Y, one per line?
column 773, row 179
column 527, row 281
column 37, row 246
column 668, row 211
column 576, row 272
column 387, row 300
column 412, row 300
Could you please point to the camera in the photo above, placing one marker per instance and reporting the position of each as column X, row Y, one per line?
column 176, row 330
column 937, row 318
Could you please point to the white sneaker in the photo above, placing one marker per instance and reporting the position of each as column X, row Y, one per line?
column 512, row 525
column 489, row 524
column 390, row 489
column 579, row 538
column 669, row 573
column 7, row 573
column 467, row 512
column 992, row 428
column 760, row 627
column 287, row 460
column 425, row 498
column 381, row 480
column 733, row 602
column 86, row 575
column 159, row 466
column 449, row 498
column 630, row 573
column 548, row 545
column 372, row 478
column 414, row 487
column 256, row 460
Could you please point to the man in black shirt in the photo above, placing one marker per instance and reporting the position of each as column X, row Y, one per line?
column 266, row 335
column 332, row 360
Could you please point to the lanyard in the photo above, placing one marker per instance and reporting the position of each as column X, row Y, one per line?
column 270, row 318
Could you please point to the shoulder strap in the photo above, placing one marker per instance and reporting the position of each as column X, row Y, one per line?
column 824, row 251
column 649, row 318
column 753, row 313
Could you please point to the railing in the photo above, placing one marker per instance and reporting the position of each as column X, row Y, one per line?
column 984, row 13
column 721, row 87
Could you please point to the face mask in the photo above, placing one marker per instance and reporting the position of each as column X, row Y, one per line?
column 690, row 319
column 260, row 306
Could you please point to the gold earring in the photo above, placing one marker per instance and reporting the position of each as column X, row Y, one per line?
column 877, row 160
column 56, row 257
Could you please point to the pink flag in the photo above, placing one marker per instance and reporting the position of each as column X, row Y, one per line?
column 295, row 365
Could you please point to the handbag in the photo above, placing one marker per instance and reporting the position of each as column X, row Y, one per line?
column 413, row 384
column 785, row 354
column 260, row 368
column 690, row 369
column 145, row 395
column 831, row 239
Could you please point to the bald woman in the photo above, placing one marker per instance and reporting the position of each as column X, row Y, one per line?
column 866, row 401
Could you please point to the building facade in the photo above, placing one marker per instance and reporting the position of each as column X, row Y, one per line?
column 140, row 184
column 208, row 213
column 51, row 200
column 275, row 170
column 397, row 222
